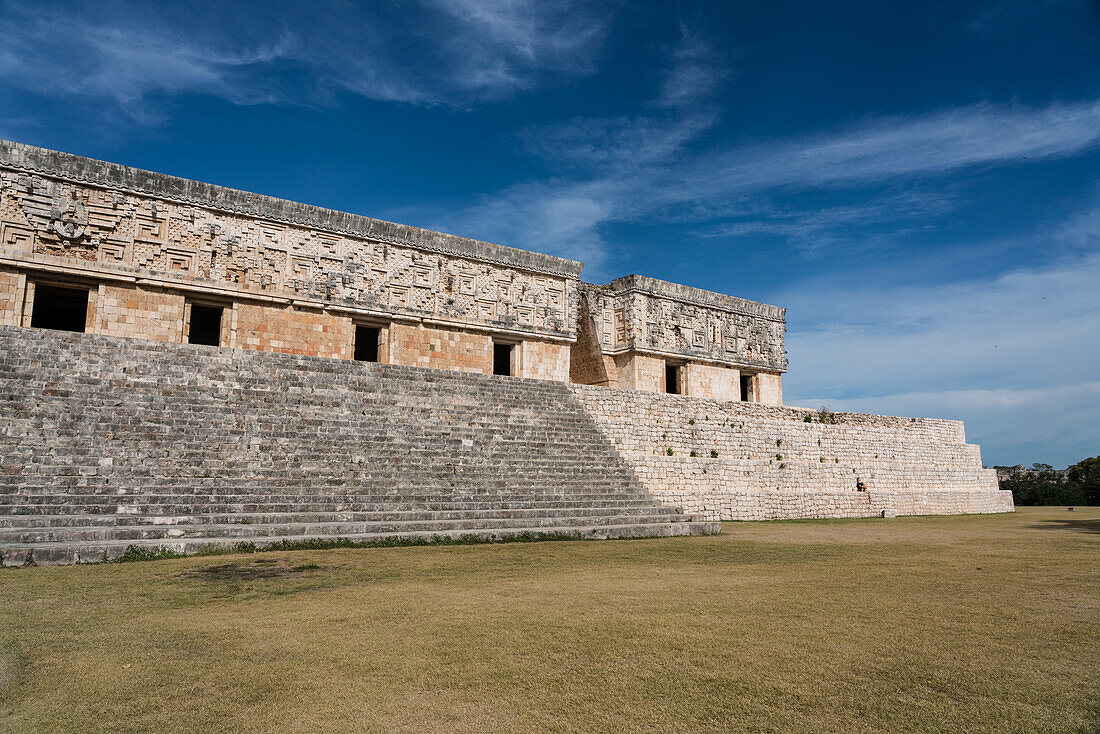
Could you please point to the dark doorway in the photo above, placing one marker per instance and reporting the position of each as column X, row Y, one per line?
column 672, row 379
column 64, row 309
column 502, row 358
column 206, row 325
column 746, row 388
column 366, row 344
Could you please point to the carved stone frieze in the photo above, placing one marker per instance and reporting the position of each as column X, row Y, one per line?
column 647, row 315
column 144, row 234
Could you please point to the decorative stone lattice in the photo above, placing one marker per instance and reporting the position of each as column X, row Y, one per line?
column 647, row 315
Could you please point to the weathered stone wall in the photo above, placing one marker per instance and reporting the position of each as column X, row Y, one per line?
column 143, row 313
column 639, row 372
column 83, row 217
column 12, row 284
column 636, row 313
column 544, row 360
column 145, row 243
column 646, row 314
column 711, row 381
column 449, row 349
column 955, row 502
column 587, row 363
column 708, row 456
column 197, row 446
column 292, row 331
column 767, row 389
column 736, row 505
column 639, row 324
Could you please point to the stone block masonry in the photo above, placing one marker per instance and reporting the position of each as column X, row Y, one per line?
column 141, row 313
column 298, row 279
column 744, row 461
column 12, row 288
column 108, row 442
column 685, row 385
column 292, row 331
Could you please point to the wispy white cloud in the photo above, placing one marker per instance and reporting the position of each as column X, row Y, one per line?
column 897, row 147
column 816, row 229
column 453, row 52
column 562, row 220
column 630, row 169
column 1029, row 337
column 560, row 33
column 605, row 164
column 696, row 71
column 617, row 147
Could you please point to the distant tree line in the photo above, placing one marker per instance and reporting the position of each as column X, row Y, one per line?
column 1044, row 485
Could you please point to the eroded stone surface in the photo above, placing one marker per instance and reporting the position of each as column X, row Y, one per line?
column 153, row 253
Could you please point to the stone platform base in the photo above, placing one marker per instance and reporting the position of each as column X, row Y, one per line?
column 722, row 505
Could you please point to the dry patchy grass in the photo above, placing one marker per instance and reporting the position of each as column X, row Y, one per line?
column 959, row 624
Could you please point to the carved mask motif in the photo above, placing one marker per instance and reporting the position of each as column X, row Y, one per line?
column 68, row 218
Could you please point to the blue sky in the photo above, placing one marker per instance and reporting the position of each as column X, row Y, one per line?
column 917, row 182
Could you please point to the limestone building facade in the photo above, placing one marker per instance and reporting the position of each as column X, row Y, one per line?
column 266, row 286
column 93, row 246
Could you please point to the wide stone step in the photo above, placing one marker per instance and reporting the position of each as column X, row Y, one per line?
column 260, row 493
column 241, row 531
column 377, row 515
column 106, row 442
column 19, row 554
column 298, row 504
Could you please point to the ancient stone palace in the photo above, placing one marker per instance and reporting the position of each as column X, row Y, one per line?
column 161, row 384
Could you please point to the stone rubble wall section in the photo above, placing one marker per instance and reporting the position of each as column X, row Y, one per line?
column 771, row 463
column 794, row 475
column 955, row 502
column 732, row 505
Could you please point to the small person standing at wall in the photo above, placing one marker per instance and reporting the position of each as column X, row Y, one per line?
column 860, row 486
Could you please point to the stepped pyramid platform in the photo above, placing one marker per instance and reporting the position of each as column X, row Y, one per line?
column 728, row 460
column 109, row 442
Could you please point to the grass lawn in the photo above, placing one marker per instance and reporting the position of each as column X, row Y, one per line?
column 944, row 624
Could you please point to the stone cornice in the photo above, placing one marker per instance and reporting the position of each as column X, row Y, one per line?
column 694, row 296
column 77, row 169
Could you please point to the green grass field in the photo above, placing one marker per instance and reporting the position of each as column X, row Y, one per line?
column 934, row 624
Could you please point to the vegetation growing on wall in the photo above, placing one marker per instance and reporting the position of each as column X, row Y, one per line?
column 1043, row 485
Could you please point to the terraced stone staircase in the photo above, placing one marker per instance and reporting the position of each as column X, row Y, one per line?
column 107, row 443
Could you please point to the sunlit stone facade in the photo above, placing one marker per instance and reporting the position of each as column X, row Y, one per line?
column 159, row 257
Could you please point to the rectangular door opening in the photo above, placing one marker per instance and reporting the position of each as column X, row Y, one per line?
column 746, row 388
column 672, row 379
column 502, row 358
column 63, row 309
column 206, row 325
column 366, row 343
